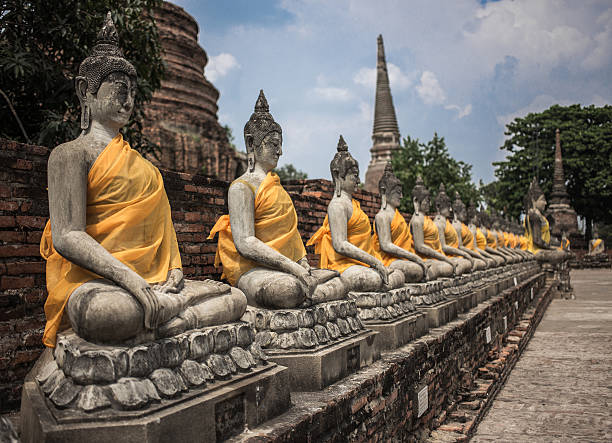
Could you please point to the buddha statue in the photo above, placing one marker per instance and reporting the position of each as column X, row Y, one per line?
column 596, row 245
column 259, row 244
column 490, row 237
column 449, row 238
column 344, row 242
column 426, row 236
column 392, row 239
column 466, row 241
column 113, row 263
column 501, row 237
column 480, row 241
column 537, row 227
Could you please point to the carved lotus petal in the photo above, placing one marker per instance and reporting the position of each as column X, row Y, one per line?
column 192, row 373
column 65, row 393
column 241, row 358
column 322, row 334
column 168, row 383
column 91, row 398
column 217, row 365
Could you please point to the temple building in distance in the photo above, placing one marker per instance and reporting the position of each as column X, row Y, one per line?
column 563, row 216
column 385, row 134
column 182, row 115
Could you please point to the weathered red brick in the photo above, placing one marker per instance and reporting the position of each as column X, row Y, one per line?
column 7, row 221
column 30, row 221
column 23, row 164
column 18, row 268
column 20, row 251
column 16, row 282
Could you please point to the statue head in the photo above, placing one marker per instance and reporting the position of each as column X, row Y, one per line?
column 344, row 169
column 443, row 202
column 263, row 137
column 390, row 188
column 420, row 197
column 595, row 231
column 535, row 197
column 459, row 208
column 106, row 83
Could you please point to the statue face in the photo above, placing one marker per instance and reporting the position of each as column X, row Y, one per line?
column 351, row 180
column 270, row 150
column 461, row 214
column 425, row 204
column 540, row 203
column 445, row 211
column 113, row 104
column 394, row 197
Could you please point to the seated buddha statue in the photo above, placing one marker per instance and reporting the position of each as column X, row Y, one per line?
column 480, row 241
column 490, row 238
column 259, row 245
column 449, row 238
column 596, row 245
column 392, row 239
column 426, row 236
column 501, row 237
column 538, row 228
column 466, row 241
column 113, row 263
column 344, row 242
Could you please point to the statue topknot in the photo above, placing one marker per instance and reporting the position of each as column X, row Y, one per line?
column 342, row 161
column 388, row 181
column 442, row 199
column 419, row 191
column 260, row 124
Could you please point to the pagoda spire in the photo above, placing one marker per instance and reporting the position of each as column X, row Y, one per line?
column 559, row 193
column 385, row 134
column 563, row 215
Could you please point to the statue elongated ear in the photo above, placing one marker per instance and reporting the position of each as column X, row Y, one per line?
column 416, row 204
column 80, row 84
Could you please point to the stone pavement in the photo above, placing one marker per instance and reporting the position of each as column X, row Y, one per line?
column 561, row 388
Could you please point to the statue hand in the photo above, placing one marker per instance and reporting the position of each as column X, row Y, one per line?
column 303, row 262
column 422, row 264
column 140, row 289
column 174, row 282
column 309, row 282
column 383, row 272
column 455, row 266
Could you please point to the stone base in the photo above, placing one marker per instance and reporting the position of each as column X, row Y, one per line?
column 482, row 294
column 440, row 313
column 464, row 302
column 393, row 334
column 212, row 414
column 312, row 370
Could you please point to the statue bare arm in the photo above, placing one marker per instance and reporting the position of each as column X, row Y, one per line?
column 67, row 210
column 241, row 204
column 419, row 242
column 383, row 229
column 449, row 249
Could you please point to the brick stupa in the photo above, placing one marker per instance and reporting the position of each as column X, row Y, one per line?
column 559, row 209
column 385, row 135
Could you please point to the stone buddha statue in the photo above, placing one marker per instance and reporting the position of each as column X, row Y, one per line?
column 449, row 238
column 480, row 241
column 426, row 236
column 344, row 242
column 392, row 238
column 259, row 244
column 501, row 237
column 490, row 237
column 596, row 245
column 538, row 229
column 113, row 263
column 466, row 241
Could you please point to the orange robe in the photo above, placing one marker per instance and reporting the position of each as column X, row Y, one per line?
column 491, row 240
column 358, row 232
column 275, row 225
column 400, row 236
column 523, row 243
column 481, row 240
column 545, row 232
column 450, row 237
column 467, row 238
column 431, row 237
column 128, row 213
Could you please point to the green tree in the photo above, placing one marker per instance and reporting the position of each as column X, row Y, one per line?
column 435, row 165
column 586, row 143
column 289, row 172
column 42, row 44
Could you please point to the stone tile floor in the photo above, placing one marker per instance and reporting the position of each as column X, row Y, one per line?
column 561, row 388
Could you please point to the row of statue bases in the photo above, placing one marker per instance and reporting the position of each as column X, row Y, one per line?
column 131, row 341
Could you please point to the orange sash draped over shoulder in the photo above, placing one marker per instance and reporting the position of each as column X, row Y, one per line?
column 431, row 236
column 523, row 243
column 128, row 213
column 400, row 236
column 450, row 235
column 491, row 240
column 467, row 238
column 595, row 244
column 481, row 240
column 358, row 232
column 275, row 225
column 545, row 232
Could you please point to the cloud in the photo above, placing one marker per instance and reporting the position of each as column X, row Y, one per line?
column 429, row 89
column 462, row 112
column 219, row 65
column 538, row 104
column 398, row 80
column 333, row 94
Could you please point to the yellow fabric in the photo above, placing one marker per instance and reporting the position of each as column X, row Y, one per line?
column 128, row 213
column 275, row 225
column 450, row 235
column 506, row 239
column 491, row 240
column 596, row 243
column 358, row 232
column 400, row 236
column 467, row 238
column 513, row 241
column 524, row 243
column 431, row 236
column 565, row 243
column 481, row 240
column 545, row 229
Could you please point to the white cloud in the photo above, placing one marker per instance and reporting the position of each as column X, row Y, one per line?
column 333, row 94
column 397, row 79
column 219, row 65
column 461, row 112
column 538, row 104
column 429, row 89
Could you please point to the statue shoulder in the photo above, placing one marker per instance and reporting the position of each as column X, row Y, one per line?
column 72, row 153
column 417, row 220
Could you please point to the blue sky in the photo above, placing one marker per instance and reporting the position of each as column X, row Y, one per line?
column 463, row 68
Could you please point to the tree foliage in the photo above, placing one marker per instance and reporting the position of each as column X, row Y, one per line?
column 289, row 172
column 434, row 164
column 42, row 44
column 586, row 143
